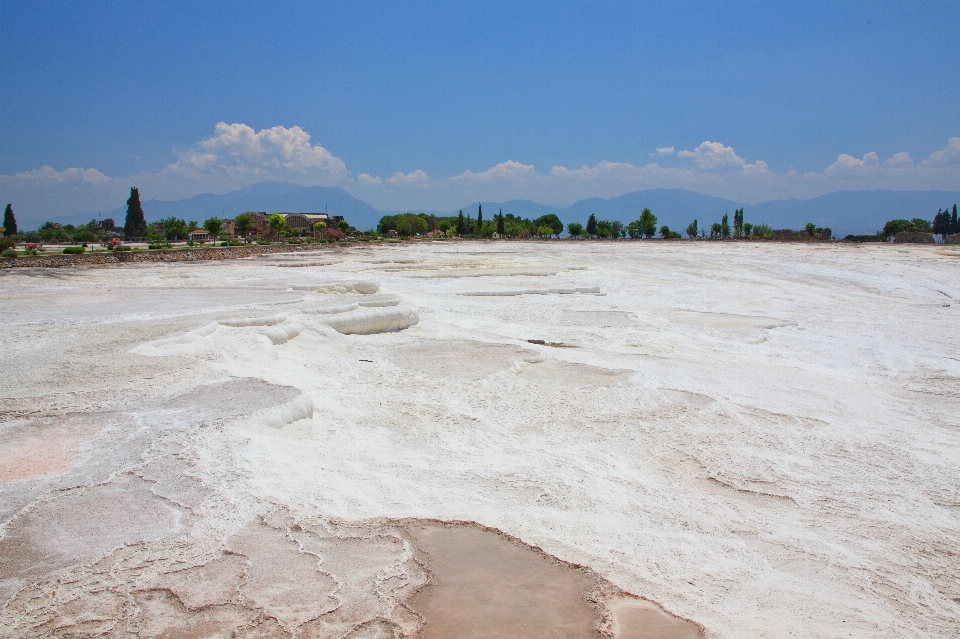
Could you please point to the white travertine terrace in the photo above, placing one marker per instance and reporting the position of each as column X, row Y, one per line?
column 763, row 438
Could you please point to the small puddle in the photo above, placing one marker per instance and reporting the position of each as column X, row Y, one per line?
column 483, row 584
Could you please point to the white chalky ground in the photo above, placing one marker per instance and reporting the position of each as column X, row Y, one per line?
column 762, row 438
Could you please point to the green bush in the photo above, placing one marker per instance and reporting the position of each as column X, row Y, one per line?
column 73, row 250
column 263, row 242
column 9, row 253
column 7, row 242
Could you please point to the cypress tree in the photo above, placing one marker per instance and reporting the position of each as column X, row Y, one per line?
column 135, row 226
column 725, row 227
column 500, row 223
column 479, row 219
column 10, row 222
column 461, row 224
column 953, row 222
column 592, row 224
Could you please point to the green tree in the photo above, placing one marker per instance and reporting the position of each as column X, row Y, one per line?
column 574, row 229
column 84, row 234
column 634, row 230
column 692, row 230
column 592, row 225
column 716, row 231
column 500, row 227
column 214, row 226
column 747, row 229
column 10, row 222
column 604, row 229
column 762, row 231
column 343, row 225
column 174, row 228
column 953, row 221
column 725, row 227
column 461, row 224
column 738, row 223
column 479, row 218
column 278, row 224
column 243, row 224
column 920, row 225
column 617, row 229
column 550, row 220
column 812, row 229
column 135, row 225
column 648, row 223
column 896, row 226
column 319, row 228
column 51, row 232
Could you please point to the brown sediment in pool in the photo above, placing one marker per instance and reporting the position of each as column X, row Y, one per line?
column 484, row 583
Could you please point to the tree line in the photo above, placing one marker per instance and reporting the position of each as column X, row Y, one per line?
column 505, row 225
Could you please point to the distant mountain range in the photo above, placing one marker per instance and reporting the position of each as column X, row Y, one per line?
column 843, row 211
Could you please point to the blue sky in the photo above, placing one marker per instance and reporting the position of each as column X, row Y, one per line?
column 435, row 104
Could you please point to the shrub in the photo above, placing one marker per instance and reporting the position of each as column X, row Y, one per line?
column 74, row 250
column 7, row 243
column 263, row 242
column 9, row 253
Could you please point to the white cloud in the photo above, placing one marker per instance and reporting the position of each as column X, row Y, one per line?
column 665, row 150
column 47, row 175
column 851, row 165
column 414, row 177
column 901, row 159
column 950, row 155
column 713, row 155
column 505, row 171
column 366, row 179
column 237, row 155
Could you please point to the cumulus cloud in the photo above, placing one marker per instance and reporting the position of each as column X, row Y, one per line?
column 665, row 150
column 48, row 175
column 710, row 156
column 237, row 153
column 414, row 177
column 505, row 171
column 365, row 179
column 950, row 155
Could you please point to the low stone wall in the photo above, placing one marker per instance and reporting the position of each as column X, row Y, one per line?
column 914, row 238
column 173, row 255
column 789, row 235
column 864, row 238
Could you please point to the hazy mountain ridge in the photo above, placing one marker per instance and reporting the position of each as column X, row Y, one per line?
column 842, row 211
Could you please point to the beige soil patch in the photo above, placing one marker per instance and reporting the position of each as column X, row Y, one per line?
column 739, row 325
column 456, row 360
column 601, row 319
column 552, row 371
column 44, row 446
